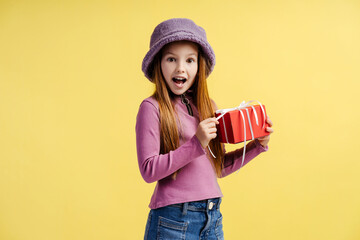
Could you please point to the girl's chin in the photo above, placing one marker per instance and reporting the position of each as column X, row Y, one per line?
column 179, row 91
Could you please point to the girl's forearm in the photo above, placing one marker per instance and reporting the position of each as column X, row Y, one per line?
column 232, row 160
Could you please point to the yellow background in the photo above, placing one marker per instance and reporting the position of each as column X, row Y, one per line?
column 71, row 84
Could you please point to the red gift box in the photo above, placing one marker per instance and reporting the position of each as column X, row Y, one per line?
column 231, row 123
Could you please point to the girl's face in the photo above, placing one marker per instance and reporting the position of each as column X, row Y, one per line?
column 179, row 65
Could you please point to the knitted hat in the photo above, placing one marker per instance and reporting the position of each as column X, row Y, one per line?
column 176, row 29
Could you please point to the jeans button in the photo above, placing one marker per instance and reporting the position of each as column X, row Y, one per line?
column 211, row 205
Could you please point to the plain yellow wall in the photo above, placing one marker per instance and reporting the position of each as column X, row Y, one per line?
column 71, row 84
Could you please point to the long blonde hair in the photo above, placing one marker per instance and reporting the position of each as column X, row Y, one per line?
column 169, row 134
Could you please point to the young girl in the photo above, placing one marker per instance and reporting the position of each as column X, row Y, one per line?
column 173, row 129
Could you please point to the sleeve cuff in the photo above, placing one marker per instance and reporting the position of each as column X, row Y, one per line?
column 198, row 145
column 261, row 147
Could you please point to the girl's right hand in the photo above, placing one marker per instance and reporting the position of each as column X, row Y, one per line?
column 206, row 131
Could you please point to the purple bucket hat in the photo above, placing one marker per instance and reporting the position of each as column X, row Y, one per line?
column 176, row 29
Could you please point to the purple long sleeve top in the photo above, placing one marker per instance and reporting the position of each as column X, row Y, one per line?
column 197, row 179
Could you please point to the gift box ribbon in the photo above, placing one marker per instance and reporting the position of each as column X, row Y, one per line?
column 243, row 105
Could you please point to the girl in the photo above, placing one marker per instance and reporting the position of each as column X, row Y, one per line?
column 173, row 129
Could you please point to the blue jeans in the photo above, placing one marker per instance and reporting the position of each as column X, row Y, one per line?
column 193, row 220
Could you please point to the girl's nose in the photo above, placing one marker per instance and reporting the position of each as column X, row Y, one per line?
column 180, row 67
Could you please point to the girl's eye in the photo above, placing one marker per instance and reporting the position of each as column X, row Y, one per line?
column 191, row 60
column 170, row 59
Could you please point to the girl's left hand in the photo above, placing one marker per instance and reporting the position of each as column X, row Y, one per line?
column 265, row 140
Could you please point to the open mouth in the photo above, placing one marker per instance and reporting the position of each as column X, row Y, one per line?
column 179, row 81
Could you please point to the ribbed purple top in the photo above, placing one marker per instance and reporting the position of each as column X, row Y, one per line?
column 197, row 179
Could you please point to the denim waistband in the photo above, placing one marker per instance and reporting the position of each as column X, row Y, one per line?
column 199, row 206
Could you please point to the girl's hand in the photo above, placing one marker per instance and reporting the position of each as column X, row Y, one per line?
column 206, row 131
column 265, row 140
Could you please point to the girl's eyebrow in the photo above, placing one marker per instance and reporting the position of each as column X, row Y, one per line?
column 176, row 55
